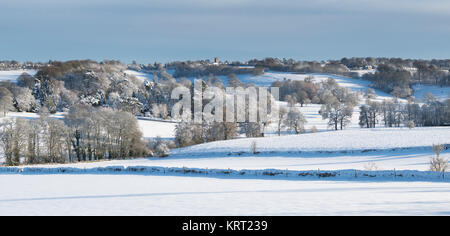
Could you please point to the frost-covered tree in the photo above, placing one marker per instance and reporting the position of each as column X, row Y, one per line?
column 183, row 134
column 338, row 108
column 6, row 138
column 281, row 116
column 24, row 100
column 6, row 101
column 161, row 148
column 337, row 113
column 437, row 163
column 368, row 115
column 252, row 129
column 303, row 98
column 295, row 121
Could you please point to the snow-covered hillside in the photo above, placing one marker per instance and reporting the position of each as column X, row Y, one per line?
column 157, row 128
column 140, row 75
column 311, row 111
column 12, row 75
column 359, row 149
column 440, row 93
column 379, row 160
column 356, row 85
column 30, row 115
column 345, row 140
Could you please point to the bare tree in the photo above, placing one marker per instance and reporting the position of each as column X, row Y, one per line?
column 437, row 163
column 6, row 102
column 281, row 116
column 6, row 138
column 295, row 121
column 254, row 147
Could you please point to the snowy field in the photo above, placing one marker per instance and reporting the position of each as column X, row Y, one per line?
column 161, row 195
column 363, row 72
column 388, row 160
column 12, row 75
column 440, row 93
column 140, row 75
column 30, row 115
column 334, row 141
column 154, row 129
column 356, row 85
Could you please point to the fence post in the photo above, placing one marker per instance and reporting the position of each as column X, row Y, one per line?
column 395, row 173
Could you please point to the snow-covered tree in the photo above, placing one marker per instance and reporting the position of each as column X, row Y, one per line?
column 295, row 121
column 24, row 100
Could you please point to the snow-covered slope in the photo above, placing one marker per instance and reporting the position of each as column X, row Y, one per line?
column 30, row 115
column 346, row 140
column 157, row 128
column 356, row 85
column 140, row 75
column 441, row 93
column 12, row 75
column 379, row 160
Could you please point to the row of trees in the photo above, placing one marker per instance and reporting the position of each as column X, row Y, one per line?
column 337, row 102
column 205, row 68
column 61, row 85
column 392, row 80
column 15, row 65
column 338, row 107
column 85, row 133
column 392, row 113
column 189, row 133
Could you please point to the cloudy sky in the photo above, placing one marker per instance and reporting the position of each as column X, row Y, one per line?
column 166, row 30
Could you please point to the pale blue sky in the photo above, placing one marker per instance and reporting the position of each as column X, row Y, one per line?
column 158, row 30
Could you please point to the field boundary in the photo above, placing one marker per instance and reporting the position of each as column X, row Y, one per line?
column 314, row 175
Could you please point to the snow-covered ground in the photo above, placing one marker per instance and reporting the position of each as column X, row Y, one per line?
column 440, row 93
column 30, row 115
column 140, row 75
column 386, row 160
column 346, row 140
column 165, row 195
column 363, row 72
column 356, row 85
column 359, row 149
column 154, row 128
column 12, row 75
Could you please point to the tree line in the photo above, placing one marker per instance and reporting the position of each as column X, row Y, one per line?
column 85, row 134
column 392, row 113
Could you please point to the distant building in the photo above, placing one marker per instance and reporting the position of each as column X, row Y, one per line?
column 216, row 61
